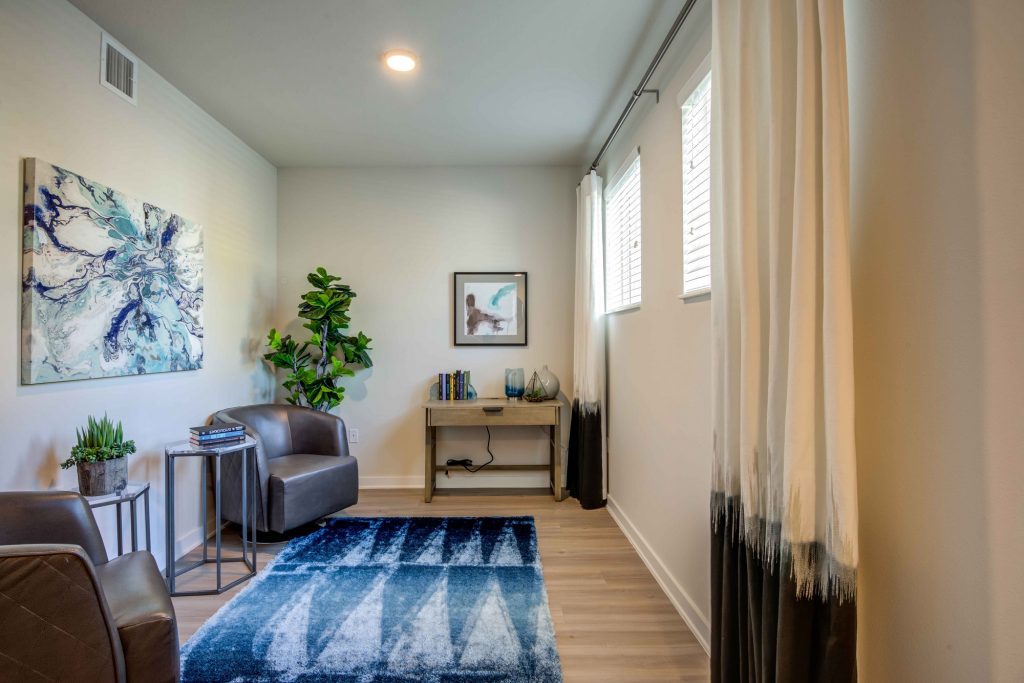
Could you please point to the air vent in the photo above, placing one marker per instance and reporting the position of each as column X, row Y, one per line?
column 119, row 69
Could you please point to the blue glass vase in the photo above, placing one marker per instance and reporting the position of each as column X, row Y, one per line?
column 515, row 383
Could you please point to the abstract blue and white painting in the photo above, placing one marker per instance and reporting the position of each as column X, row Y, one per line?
column 110, row 285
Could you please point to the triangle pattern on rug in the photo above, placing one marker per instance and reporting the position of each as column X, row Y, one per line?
column 521, row 601
column 490, row 534
column 506, row 550
column 526, row 538
column 322, row 547
column 286, row 634
column 544, row 651
column 406, row 591
column 470, row 553
column 433, row 548
column 390, row 538
column 342, row 591
column 358, row 553
column 250, row 616
column 422, row 532
column 465, row 582
column 355, row 643
column 460, row 529
column 425, row 643
column 492, row 642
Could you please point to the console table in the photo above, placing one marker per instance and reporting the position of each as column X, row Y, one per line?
column 493, row 412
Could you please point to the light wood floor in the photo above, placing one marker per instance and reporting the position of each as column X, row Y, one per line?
column 612, row 622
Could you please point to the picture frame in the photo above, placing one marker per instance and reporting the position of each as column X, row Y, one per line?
column 490, row 309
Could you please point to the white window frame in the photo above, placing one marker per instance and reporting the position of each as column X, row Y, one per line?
column 610, row 189
column 695, row 80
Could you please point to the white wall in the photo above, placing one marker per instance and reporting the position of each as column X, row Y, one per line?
column 168, row 152
column 937, row 145
column 937, row 160
column 659, row 361
column 396, row 235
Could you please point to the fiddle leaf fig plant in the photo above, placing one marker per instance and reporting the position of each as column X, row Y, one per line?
column 314, row 367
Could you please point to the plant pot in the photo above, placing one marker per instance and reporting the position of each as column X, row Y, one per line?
column 102, row 478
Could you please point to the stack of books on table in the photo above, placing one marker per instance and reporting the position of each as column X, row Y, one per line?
column 453, row 386
column 216, row 435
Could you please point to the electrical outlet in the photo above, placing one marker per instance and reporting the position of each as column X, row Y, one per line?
column 353, row 435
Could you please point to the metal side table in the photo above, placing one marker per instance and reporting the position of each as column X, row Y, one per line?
column 131, row 494
column 184, row 449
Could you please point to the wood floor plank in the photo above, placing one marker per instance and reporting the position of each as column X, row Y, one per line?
column 613, row 624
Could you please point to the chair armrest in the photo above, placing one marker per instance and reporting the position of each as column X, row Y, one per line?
column 61, row 517
column 54, row 619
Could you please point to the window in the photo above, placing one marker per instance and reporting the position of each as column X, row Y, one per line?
column 697, row 187
column 622, row 238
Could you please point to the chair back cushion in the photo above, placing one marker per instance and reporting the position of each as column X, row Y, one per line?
column 268, row 423
column 50, row 517
column 316, row 432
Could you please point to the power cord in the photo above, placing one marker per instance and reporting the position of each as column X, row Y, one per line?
column 467, row 463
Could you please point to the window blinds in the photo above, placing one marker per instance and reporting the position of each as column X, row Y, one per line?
column 622, row 239
column 697, row 190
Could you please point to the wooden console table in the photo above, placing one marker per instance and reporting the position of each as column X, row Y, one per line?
column 494, row 412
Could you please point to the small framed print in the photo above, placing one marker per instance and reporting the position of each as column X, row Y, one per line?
column 490, row 309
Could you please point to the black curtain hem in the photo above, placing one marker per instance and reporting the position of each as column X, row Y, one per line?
column 761, row 632
column 585, row 470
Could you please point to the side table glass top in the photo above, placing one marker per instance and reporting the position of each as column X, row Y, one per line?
column 133, row 490
column 185, row 447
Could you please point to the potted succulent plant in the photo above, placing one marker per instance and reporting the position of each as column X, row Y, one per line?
column 101, row 458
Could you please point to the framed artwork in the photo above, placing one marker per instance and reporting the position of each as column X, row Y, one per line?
column 110, row 285
column 490, row 309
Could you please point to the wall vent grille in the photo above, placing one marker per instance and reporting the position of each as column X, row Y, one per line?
column 119, row 69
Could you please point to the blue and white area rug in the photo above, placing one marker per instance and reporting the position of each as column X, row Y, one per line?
column 437, row 600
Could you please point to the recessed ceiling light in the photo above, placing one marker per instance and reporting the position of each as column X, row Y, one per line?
column 400, row 60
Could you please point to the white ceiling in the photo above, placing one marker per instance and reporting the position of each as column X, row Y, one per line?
column 500, row 82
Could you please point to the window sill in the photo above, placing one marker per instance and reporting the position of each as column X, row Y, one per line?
column 697, row 295
column 623, row 309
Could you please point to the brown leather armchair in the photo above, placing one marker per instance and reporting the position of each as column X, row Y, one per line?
column 303, row 467
column 67, row 613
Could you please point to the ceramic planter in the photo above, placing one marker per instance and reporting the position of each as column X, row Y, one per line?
column 549, row 381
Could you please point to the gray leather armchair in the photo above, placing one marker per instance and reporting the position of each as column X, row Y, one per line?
column 67, row 613
column 304, row 470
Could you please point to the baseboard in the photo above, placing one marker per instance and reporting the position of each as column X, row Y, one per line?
column 685, row 605
column 388, row 482
column 187, row 542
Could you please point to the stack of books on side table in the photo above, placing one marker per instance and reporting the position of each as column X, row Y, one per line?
column 216, row 435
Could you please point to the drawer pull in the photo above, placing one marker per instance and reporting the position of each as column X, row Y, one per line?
column 493, row 410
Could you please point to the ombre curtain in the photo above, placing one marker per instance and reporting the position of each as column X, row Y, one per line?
column 586, row 477
column 784, row 487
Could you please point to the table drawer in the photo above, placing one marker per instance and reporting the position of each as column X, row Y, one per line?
column 509, row 416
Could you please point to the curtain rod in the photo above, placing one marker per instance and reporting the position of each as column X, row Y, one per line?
column 642, row 87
